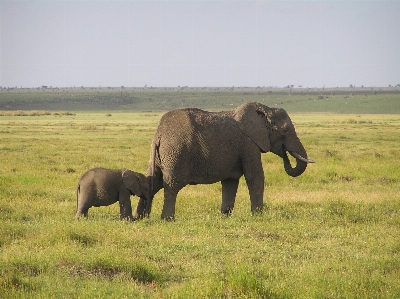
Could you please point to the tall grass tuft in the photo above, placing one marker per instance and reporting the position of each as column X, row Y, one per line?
column 242, row 282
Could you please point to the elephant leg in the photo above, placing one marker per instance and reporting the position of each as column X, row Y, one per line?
column 229, row 189
column 170, row 194
column 125, row 207
column 254, row 176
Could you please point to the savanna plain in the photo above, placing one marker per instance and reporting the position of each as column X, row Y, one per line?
column 333, row 232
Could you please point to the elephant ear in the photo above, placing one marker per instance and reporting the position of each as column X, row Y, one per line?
column 252, row 120
column 131, row 181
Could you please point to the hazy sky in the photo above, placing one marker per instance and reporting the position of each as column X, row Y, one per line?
column 199, row 43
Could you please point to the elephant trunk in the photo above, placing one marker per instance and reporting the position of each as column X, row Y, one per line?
column 301, row 162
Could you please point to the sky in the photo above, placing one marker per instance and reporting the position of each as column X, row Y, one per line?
column 199, row 43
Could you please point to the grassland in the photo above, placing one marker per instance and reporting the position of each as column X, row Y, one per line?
column 333, row 232
column 332, row 100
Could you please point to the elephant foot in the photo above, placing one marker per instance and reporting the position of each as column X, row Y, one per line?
column 226, row 212
column 127, row 218
column 257, row 211
column 168, row 218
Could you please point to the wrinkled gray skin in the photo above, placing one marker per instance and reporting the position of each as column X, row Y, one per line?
column 103, row 187
column 192, row 146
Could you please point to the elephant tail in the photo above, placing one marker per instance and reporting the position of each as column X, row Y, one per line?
column 152, row 165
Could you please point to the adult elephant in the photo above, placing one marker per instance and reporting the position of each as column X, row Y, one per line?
column 192, row 146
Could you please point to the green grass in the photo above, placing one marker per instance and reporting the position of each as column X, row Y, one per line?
column 333, row 232
column 334, row 100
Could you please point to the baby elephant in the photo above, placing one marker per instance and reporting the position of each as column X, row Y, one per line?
column 103, row 187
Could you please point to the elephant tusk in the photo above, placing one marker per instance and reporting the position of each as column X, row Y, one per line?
column 297, row 156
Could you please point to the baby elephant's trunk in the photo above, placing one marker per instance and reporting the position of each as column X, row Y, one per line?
column 79, row 210
column 77, row 195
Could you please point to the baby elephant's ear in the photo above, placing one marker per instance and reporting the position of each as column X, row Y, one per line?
column 132, row 182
